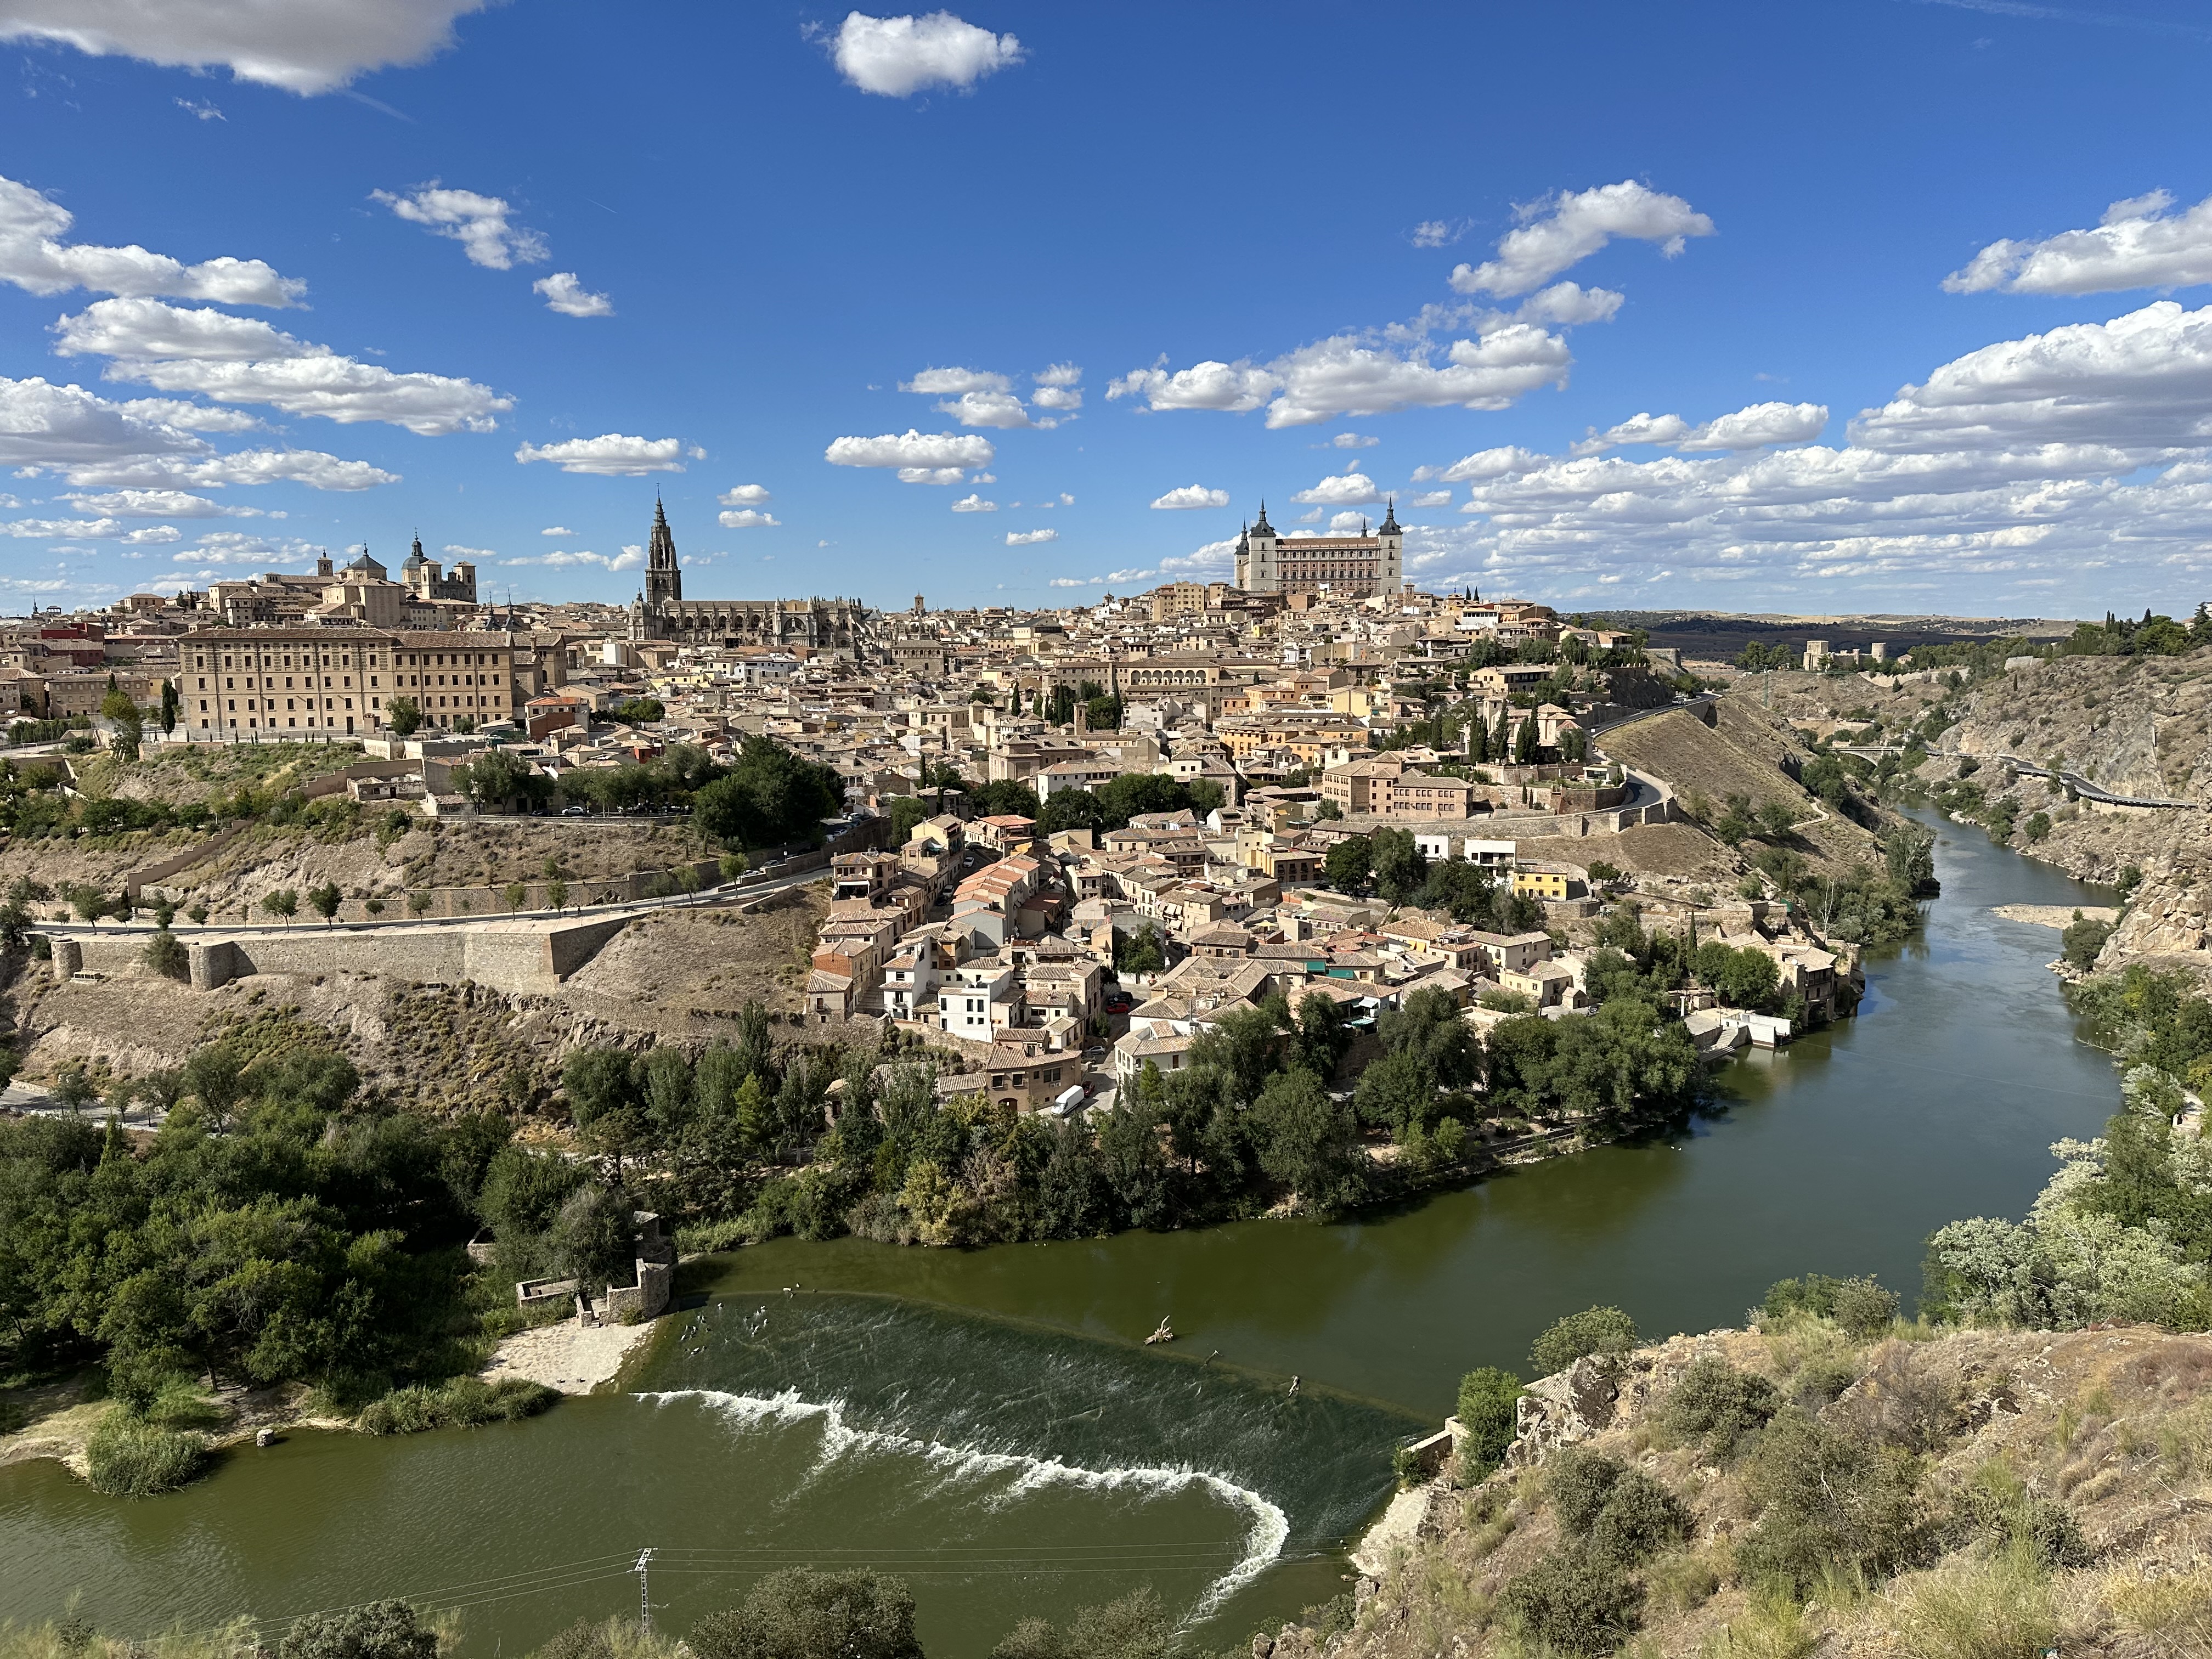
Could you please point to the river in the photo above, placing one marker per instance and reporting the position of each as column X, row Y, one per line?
column 986, row 1423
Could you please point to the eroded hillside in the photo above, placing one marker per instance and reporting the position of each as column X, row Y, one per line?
column 1790, row 1491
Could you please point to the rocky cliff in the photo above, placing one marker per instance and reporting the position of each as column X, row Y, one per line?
column 1790, row 1491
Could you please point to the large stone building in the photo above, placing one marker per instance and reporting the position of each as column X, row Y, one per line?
column 1342, row 566
column 335, row 681
column 836, row 626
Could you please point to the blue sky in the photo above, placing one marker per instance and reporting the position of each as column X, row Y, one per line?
column 1859, row 266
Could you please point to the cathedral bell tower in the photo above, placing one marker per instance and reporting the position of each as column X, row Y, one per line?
column 664, row 578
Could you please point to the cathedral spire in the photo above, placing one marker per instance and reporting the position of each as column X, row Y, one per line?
column 663, row 576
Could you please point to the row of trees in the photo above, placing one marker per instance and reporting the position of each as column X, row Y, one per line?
column 748, row 1142
column 280, row 1226
column 1390, row 864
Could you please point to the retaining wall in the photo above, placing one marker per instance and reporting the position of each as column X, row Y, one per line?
column 522, row 957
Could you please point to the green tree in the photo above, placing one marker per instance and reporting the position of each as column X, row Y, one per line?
column 1309, row 1142
column 556, row 894
column 284, row 902
column 402, row 716
column 1071, row 809
column 379, row 1630
column 1134, row 1627
column 796, row 1614
column 1350, row 865
column 515, row 896
column 167, row 955
column 1577, row 1336
column 1487, row 1398
column 1400, row 868
column 324, row 901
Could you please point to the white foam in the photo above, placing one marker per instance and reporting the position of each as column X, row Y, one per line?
column 1270, row 1528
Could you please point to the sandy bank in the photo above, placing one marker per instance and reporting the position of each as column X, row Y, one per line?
column 569, row 1357
column 2055, row 915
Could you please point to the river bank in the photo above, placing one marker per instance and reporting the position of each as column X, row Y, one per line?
column 977, row 1420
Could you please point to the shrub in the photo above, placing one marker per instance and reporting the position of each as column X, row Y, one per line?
column 462, row 1402
column 1487, row 1399
column 181, row 1405
column 167, row 955
column 2081, row 942
column 1718, row 1407
column 1999, row 1608
column 1579, row 1482
column 1639, row 1519
column 379, row 1630
column 1861, row 1306
column 1834, row 1502
column 1572, row 1601
column 798, row 1615
column 1593, row 1331
column 127, row 1458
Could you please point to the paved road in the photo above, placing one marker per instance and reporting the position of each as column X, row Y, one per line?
column 727, row 893
column 2080, row 785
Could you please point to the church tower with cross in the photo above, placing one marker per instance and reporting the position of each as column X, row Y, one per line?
column 664, row 577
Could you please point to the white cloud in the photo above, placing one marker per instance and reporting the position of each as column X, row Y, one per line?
column 1341, row 490
column 244, row 360
column 478, row 222
column 743, row 495
column 89, row 529
column 1752, row 428
column 1342, row 376
column 2060, row 457
column 994, row 408
column 1313, row 517
column 974, row 503
column 898, row 56
column 336, row 388
column 1077, row 581
column 1192, row 496
column 746, row 519
column 1353, row 441
column 311, row 467
column 1057, row 389
column 630, row 558
column 1347, row 374
column 457, row 551
column 193, row 418
column 96, row 444
column 1030, row 538
column 1213, row 555
column 951, row 382
column 1348, row 524
column 930, row 475
column 1435, row 233
column 1236, row 387
column 914, row 450
column 565, row 294
column 556, row 529
column 1483, row 464
column 1568, row 304
column 611, row 455
column 202, row 107
column 157, row 504
column 2136, row 245
column 986, row 478
column 148, row 328
column 302, row 45
column 33, row 257
column 237, row 547
column 1433, row 498
column 1561, row 230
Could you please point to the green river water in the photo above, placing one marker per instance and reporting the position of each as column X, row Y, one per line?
column 988, row 1424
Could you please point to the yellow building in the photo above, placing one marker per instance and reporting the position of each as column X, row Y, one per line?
column 1540, row 883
